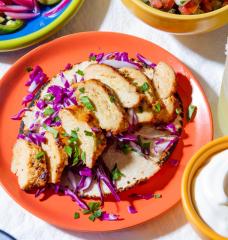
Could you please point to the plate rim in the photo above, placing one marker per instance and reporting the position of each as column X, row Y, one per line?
column 43, row 33
column 129, row 225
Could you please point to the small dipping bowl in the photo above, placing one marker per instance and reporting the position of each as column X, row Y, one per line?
column 193, row 166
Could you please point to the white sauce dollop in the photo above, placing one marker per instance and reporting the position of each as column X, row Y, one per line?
column 211, row 193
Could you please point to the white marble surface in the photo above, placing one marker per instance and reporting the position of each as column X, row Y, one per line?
column 203, row 54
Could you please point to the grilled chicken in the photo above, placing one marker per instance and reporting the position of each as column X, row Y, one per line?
column 91, row 143
column 140, row 80
column 57, row 158
column 164, row 80
column 108, row 109
column 126, row 92
column 29, row 164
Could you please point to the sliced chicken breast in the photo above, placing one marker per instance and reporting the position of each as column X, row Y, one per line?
column 92, row 143
column 140, row 80
column 107, row 107
column 29, row 164
column 57, row 158
column 126, row 92
column 164, row 80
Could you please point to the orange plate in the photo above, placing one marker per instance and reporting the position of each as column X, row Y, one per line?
column 53, row 57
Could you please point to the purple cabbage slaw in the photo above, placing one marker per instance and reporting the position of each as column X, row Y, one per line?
column 64, row 97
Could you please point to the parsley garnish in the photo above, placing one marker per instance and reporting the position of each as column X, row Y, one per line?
column 83, row 157
column 48, row 111
column 87, row 103
column 80, row 72
column 144, row 87
column 116, row 173
column 48, row 97
column 68, row 150
column 112, row 99
column 76, row 215
column 39, row 155
column 93, row 58
column 178, row 111
column 94, row 210
column 157, row 107
column 76, row 155
column 89, row 134
column 126, row 148
column 82, row 90
column 191, row 110
column 51, row 130
column 157, row 195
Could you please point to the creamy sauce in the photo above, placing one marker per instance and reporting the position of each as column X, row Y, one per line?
column 211, row 193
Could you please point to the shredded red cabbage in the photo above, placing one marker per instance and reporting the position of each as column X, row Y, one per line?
column 75, row 198
column 20, row 114
column 109, row 217
column 145, row 61
column 132, row 210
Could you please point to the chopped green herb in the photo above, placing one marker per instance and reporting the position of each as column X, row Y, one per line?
column 68, row 150
column 76, row 215
column 157, row 107
column 76, row 155
column 95, row 215
column 80, row 72
column 112, row 99
column 116, row 173
column 144, row 87
column 74, row 134
column 48, row 97
column 92, row 218
column 48, row 111
column 126, row 148
column 191, row 110
column 94, row 210
column 56, row 119
column 65, row 134
column 82, row 90
column 39, row 155
column 146, row 145
column 87, row 133
column 178, row 111
column 157, row 195
column 182, row 2
column 51, row 130
column 93, row 58
column 83, row 157
column 28, row 68
column 140, row 109
column 87, row 103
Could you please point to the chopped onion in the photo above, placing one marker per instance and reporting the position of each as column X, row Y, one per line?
column 15, row 15
column 75, row 198
column 132, row 210
column 56, row 9
column 13, row 8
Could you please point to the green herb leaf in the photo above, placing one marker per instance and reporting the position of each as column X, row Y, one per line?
column 112, row 99
column 48, row 111
column 83, row 157
column 157, row 107
column 157, row 195
column 144, row 87
column 76, row 215
column 97, row 213
column 76, row 155
column 74, row 134
column 82, row 90
column 68, row 150
column 92, row 218
column 80, row 72
column 126, row 148
column 57, row 118
column 48, row 97
column 116, row 173
column 191, row 110
column 93, row 58
column 178, row 111
column 87, row 103
column 28, row 68
column 39, row 155
column 51, row 130
column 89, row 134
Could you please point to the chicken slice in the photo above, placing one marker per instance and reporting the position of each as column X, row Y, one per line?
column 141, row 81
column 92, row 143
column 108, row 109
column 29, row 164
column 126, row 92
column 57, row 158
column 164, row 80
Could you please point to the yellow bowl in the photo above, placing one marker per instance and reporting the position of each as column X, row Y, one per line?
column 178, row 24
column 197, row 161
